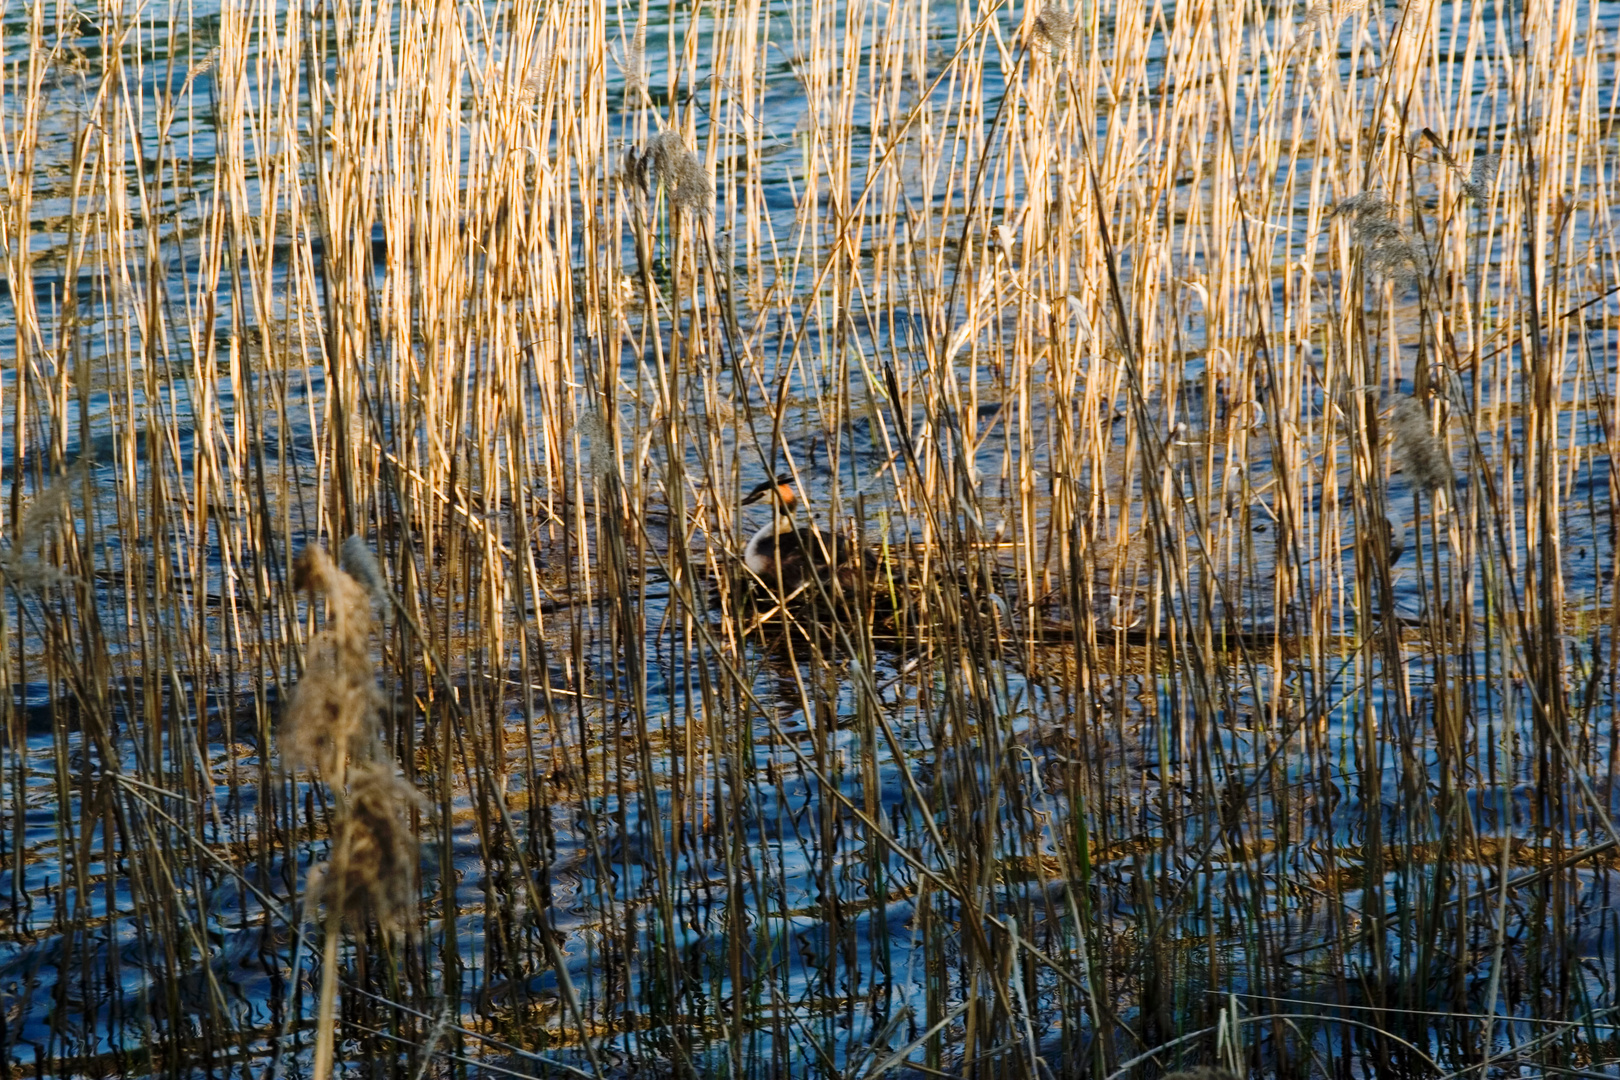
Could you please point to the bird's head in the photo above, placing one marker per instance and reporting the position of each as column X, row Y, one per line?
column 779, row 491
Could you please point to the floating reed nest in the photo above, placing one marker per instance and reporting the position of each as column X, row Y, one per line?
column 895, row 597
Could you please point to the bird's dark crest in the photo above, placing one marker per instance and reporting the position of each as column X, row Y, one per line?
column 765, row 487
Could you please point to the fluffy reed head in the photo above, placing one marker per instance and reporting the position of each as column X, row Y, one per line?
column 1326, row 15
column 1387, row 251
column 1481, row 176
column 361, row 564
column 542, row 79
column 333, row 710
column 667, row 160
column 1372, row 218
column 22, row 565
column 1053, row 30
column 634, row 65
column 1419, row 453
column 373, row 871
column 596, row 444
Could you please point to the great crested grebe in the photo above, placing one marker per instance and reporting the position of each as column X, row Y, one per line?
column 788, row 557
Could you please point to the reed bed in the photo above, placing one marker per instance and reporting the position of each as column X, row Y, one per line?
column 1229, row 390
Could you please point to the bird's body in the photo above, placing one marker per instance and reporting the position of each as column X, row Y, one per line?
column 787, row 557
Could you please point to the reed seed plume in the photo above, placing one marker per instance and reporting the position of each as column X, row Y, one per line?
column 1386, row 249
column 1371, row 217
column 332, row 725
column 633, row 66
column 201, row 68
column 1054, row 29
column 1398, row 259
column 332, row 712
column 668, row 161
column 1327, row 16
column 544, row 69
column 1474, row 182
column 206, row 64
column 316, row 572
column 1481, row 177
column 1417, row 450
column 596, row 443
column 22, row 564
column 360, row 563
column 374, row 867
column 29, row 572
column 45, row 511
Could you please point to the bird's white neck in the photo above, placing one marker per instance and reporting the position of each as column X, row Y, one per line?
column 760, row 554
